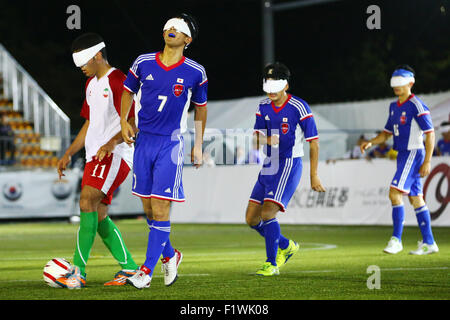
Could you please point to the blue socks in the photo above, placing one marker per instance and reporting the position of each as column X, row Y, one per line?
column 157, row 240
column 283, row 241
column 398, row 218
column 424, row 221
column 168, row 250
column 272, row 232
column 259, row 228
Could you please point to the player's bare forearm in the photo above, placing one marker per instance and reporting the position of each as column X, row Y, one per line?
column 118, row 138
column 127, row 131
column 314, row 156
column 383, row 136
column 429, row 145
column 75, row 146
column 78, row 142
column 261, row 139
column 125, row 105
column 316, row 185
column 201, row 115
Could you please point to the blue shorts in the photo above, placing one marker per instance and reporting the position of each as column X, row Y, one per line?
column 407, row 178
column 158, row 167
column 280, row 186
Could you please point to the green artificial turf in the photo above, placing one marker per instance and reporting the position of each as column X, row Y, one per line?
column 220, row 261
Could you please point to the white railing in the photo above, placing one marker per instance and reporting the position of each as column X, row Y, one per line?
column 28, row 97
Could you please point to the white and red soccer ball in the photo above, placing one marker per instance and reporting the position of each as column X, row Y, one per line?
column 54, row 269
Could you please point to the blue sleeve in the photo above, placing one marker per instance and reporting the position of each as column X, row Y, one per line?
column 423, row 119
column 309, row 128
column 260, row 123
column 133, row 83
column 200, row 91
column 388, row 127
column 307, row 123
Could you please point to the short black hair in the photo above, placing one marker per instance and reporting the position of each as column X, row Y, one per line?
column 406, row 67
column 276, row 71
column 88, row 40
column 192, row 24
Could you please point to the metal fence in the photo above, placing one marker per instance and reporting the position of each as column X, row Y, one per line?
column 30, row 99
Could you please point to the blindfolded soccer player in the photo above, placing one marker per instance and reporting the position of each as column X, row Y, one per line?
column 282, row 122
column 108, row 160
column 167, row 82
column 408, row 120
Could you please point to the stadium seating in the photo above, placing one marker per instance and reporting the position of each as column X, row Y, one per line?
column 28, row 152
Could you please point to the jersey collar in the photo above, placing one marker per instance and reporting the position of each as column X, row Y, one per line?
column 278, row 109
column 173, row 66
column 409, row 98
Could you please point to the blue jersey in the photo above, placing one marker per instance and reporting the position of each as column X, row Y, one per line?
column 407, row 122
column 292, row 121
column 444, row 147
column 166, row 92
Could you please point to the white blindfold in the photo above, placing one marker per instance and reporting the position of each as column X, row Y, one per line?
column 82, row 57
column 178, row 24
column 399, row 81
column 274, row 86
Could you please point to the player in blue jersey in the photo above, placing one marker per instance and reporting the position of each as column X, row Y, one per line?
column 443, row 144
column 165, row 83
column 409, row 119
column 283, row 121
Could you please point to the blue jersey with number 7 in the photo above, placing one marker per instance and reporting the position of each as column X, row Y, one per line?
column 166, row 92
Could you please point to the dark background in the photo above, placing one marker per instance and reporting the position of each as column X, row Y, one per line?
column 330, row 51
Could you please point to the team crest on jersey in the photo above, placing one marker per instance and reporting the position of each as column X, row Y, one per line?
column 106, row 93
column 284, row 128
column 178, row 90
column 403, row 118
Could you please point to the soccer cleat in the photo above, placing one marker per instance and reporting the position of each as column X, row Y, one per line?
column 120, row 278
column 141, row 279
column 169, row 267
column 72, row 280
column 283, row 255
column 424, row 248
column 394, row 246
column 268, row 269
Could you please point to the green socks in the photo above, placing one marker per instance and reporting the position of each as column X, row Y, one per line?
column 112, row 238
column 85, row 239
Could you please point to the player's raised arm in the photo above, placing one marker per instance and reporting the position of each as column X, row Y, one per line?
column 128, row 133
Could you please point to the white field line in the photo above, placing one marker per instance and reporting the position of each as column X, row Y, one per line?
column 381, row 270
column 319, row 246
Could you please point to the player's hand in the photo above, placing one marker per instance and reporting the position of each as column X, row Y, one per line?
column 105, row 150
column 316, row 185
column 365, row 145
column 273, row 140
column 425, row 169
column 197, row 156
column 62, row 164
column 128, row 134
